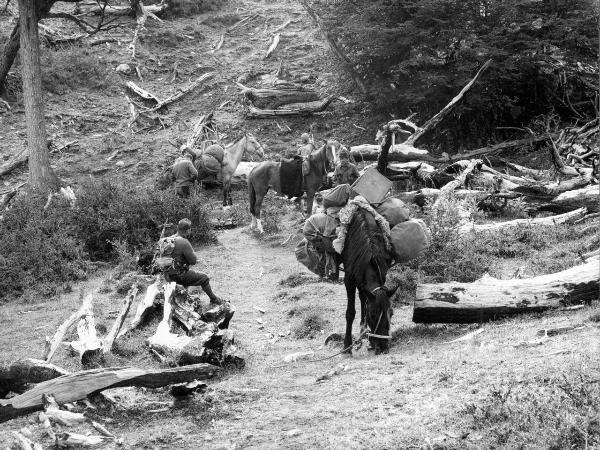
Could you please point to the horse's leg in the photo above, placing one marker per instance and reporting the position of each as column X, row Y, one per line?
column 350, row 313
column 363, row 308
column 259, row 196
column 226, row 191
column 310, row 196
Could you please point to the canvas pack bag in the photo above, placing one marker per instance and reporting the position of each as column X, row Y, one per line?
column 164, row 258
column 409, row 239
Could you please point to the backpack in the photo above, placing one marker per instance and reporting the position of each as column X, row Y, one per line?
column 164, row 253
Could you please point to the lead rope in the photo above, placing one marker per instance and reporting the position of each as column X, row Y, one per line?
column 354, row 342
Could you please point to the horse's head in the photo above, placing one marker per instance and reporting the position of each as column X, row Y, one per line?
column 331, row 148
column 379, row 317
column 253, row 147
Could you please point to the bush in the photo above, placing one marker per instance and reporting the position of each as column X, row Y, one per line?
column 43, row 249
column 39, row 248
column 109, row 212
column 75, row 67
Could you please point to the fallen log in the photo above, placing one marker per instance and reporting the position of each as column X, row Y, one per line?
column 17, row 375
column 490, row 298
column 273, row 45
column 435, row 120
column 144, row 307
column 399, row 153
column 447, row 190
column 21, row 158
column 274, row 98
column 77, row 386
column 429, row 195
column 585, row 197
column 109, row 340
column 76, row 440
column 300, row 110
column 569, row 217
column 52, row 344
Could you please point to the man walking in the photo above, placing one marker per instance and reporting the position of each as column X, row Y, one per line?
column 304, row 151
column 184, row 173
column 184, row 257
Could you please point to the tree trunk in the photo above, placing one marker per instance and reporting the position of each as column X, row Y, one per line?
column 569, row 217
column 9, row 53
column 490, row 298
column 586, row 197
column 398, row 153
column 274, row 98
column 144, row 307
column 77, row 386
column 41, row 175
column 18, row 374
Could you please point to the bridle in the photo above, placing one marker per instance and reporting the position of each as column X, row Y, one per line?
column 373, row 333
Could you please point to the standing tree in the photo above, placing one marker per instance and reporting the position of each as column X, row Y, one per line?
column 41, row 175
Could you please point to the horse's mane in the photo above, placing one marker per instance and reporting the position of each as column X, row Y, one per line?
column 364, row 245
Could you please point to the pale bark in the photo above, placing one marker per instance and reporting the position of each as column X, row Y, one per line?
column 490, row 298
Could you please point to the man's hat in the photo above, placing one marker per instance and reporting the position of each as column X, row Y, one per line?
column 344, row 153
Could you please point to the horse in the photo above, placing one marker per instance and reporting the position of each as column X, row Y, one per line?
column 366, row 263
column 232, row 155
column 266, row 175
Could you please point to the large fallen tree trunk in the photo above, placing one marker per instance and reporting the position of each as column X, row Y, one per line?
column 449, row 188
column 586, row 197
column 490, row 298
column 274, row 98
column 569, row 217
column 399, row 153
column 302, row 109
column 77, row 386
column 429, row 195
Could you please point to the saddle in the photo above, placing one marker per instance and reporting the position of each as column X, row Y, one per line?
column 290, row 176
column 209, row 162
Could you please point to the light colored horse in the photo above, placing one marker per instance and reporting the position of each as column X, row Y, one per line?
column 232, row 155
column 266, row 175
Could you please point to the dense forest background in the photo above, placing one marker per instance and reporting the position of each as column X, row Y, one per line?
column 417, row 54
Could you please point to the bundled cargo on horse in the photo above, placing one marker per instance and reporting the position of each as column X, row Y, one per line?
column 316, row 251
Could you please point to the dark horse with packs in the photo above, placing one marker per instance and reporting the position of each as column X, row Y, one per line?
column 366, row 263
column 285, row 177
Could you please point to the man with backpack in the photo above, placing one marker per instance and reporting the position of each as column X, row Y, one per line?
column 177, row 255
column 184, row 173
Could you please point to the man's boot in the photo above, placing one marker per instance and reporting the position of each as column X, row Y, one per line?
column 213, row 298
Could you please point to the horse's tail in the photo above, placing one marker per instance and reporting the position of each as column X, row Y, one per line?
column 251, row 196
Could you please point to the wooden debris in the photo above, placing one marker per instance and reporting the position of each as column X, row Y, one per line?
column 542, row 221
column 144, row 307
column 271, row 98
column 282, row 26
column 163, row 341
column 57, row 415
column 435, row 120
column 273, row 45
column 52, row 344
column 259, row 309
column 399, row 153
column 185, row 389
column 560, row 330
column 219, row 44
column 78, row 385
column 490, row 298
column 102, row 430
column 88, row 346
column 18, row 374
column 67, row 439
column 458, row 182
column 25, row 443
column 466, row 337
column 588, row 197
column 305, row 110
column 109, row 340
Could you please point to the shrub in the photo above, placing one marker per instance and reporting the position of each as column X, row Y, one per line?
column 75, row 67
column 310, row 326
column 42, row 249
column 39, row 248
column 109, row 212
